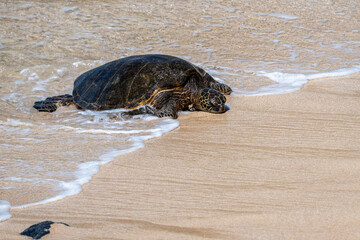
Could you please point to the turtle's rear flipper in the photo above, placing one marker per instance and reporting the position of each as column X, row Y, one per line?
column 50, row 104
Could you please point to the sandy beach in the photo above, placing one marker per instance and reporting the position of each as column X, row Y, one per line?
column 269, row 168
column 275, row 166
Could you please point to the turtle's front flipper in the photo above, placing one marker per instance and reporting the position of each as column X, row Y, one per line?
column 166, row 111
column 141, row 110
column 50, row 104
column 170, row 107
column 220, row 87
column 164, row 104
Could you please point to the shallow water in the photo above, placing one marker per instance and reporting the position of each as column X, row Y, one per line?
column 45, row 45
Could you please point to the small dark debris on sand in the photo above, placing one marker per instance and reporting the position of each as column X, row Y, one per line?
column 39, row 230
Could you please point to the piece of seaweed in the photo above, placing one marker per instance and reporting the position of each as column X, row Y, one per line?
column 39, row 230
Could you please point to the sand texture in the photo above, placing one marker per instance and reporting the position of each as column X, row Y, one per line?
column 273, row 167
column 270, row 168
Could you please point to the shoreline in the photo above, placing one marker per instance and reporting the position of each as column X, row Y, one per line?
column 283, row 83
column 221, row 176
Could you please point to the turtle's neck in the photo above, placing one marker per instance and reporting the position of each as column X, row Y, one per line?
column 185, row 100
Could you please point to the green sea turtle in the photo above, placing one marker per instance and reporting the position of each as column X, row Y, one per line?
column 156, row 84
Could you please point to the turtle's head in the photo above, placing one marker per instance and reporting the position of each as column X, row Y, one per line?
column 211, row 101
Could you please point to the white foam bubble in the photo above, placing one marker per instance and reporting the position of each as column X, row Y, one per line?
column 68, row 189
column 290, row 82
column 336, row 73
column 286, row 17
column 283, row 16
column 61, row 71
column 293, row 53
column 90, row 63
column 15, row 123
column 39, row 77
column 4, row 210
column 13, row 97
column 69, row 9
column 27, row 72
column 104, row 131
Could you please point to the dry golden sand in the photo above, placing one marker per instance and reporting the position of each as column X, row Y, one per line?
column 273, row 167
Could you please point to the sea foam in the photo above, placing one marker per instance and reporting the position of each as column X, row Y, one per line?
column 4, row 210
column 86, row 170
column 291, row 82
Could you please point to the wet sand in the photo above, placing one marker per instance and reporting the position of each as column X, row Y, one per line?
column 272, row 167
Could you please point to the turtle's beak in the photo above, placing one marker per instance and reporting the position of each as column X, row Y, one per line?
column 218, row 108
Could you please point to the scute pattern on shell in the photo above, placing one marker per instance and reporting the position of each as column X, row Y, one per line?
column 129, row 82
